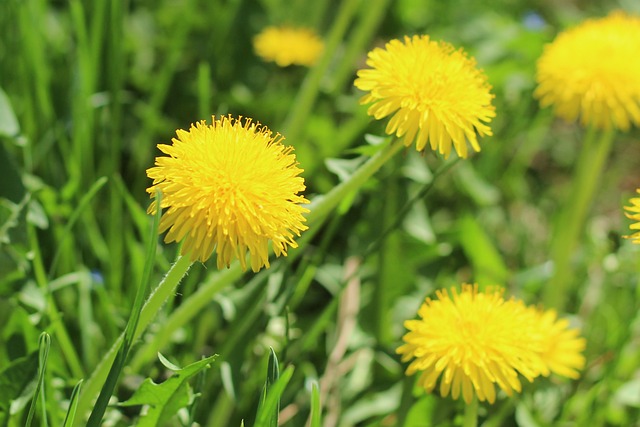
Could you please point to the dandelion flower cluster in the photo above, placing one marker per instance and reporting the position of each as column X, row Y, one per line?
column 434, row 93
column 475, row 340
column 229, row 187
column 592, row 71
column 288, row 46
column 633, row 213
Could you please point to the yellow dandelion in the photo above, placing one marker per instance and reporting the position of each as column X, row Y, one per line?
column 288, row 46
column 229, row 187
column 475, row 340
column 592, row 71
column 633, row 213
column 434, row 93
column 562, row 347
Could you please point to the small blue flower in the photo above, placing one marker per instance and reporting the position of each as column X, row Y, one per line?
column 533, row 21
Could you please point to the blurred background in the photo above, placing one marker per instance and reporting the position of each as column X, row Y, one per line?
column 87, row 91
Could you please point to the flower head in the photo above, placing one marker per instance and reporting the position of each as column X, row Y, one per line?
column 633, row 212
column 475, row 340
column 288, row 46
column 434, row 93
column 592, row 71
column 229, row 187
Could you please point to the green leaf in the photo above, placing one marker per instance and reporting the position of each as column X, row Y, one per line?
column 488, row 265
column 73, row 406
column 273, row 374
column 421, row 412
column 268, row 411
column 165, row 399
column 17, row 383
column 43, row 357
column 8, row 123
column 12, row 187
column 316, row 407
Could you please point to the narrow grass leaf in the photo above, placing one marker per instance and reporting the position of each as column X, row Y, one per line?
column 273, row 373
column 165, row 399
column 84, row 203
column 73, row 406
column 488, row 265
column 43, row 356
column 118, row 364
column 265, row 416
column 8, row 123
column 316, row 407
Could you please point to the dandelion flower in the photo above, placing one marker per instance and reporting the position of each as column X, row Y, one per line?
column 475, row 340
column 561, row 347
column 288, row 46
column 229, row 187
column 434, row 93
column 633, row 213
column 592, row 71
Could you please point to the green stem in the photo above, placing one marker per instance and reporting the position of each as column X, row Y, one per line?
column 471, row 414
column 308, row 93
column 320, row 210
column 185, row 312
column 358, row 41
column 570, row 222
column 323, row 205
column 149, row 311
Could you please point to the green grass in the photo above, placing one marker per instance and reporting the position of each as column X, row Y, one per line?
column 89, row 88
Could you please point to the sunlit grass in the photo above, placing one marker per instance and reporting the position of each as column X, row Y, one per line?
column 89, row 89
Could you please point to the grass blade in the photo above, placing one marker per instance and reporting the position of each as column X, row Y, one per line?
column 107, row 390
column 43, row 356
column 316, row 407
column 267, row 415
column 73, row 406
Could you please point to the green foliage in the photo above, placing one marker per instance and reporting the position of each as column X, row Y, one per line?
column 18, row 381
column 165, row 399
column 87, row 90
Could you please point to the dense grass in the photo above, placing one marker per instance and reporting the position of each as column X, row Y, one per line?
column 89, row 89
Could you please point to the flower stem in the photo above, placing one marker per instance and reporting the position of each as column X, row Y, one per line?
column 360, row 37
column 471, row 414
column 320, row 210
column 322, row 206
column 310, row 89
column 570, row 222
column 149, row 310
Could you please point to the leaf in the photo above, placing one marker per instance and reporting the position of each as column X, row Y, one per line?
column 12, row 187
column 43, row 357
column 273, row 374
column 421, row 412
column 488, row 265
column 8, row 123
column 316, row 407
column 17, row 383
column 344, row 168
column 73, row 406
column 165, row 399
column 629, row 394
column 269, row 410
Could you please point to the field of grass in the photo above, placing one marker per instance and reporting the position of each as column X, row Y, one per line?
column 89, row 88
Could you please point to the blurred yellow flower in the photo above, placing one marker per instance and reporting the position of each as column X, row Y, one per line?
column 229, row 187
column 561, row 348
column 475, row 340
column 288, row 46
column 434, row 93
column 592, row 71
column 633, row 212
